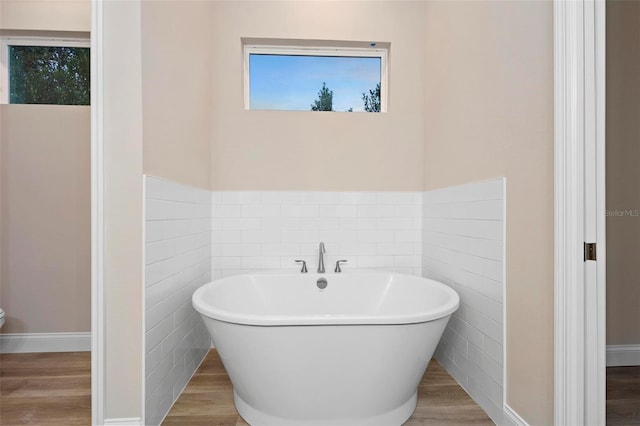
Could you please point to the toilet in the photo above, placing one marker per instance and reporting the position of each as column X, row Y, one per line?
column 1, row 317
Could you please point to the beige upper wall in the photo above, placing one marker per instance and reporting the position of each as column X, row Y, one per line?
column 45, row 255
column 289, row 150
column 46, row 15
column 176, row 88
column 45, row 218
column 623, row 171
column 489, row 113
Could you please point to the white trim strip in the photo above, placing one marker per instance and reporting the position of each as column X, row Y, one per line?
column 599, row 394
column 124, row 421
column 46, row 41
column 569, row 335
column 98, row 361
column 143, row 303
column 45, row 342
column 513, row 418
column 623, row 355
column 579, row 351
column 504, row 292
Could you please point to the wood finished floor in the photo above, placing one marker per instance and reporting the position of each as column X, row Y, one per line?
column 208, row 400
column 54, row 389
column 45, row 389
column 623, row 396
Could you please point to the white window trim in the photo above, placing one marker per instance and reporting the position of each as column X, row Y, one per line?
column 381, row 53
column 7, row 41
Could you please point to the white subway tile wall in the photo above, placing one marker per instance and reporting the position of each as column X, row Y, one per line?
column 263, row 230
column 454, row 235
column 462, row 246
column 177, row 261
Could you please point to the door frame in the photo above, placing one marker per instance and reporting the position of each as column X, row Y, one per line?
column 579, row 212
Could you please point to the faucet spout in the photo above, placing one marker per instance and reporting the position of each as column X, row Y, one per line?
column 321, row 251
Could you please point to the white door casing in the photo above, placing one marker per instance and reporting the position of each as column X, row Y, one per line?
column 579, row 212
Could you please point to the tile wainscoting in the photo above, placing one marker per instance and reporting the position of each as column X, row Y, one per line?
column 177, row 262
column 463, row 247
column 253, row 231
column 454, row 235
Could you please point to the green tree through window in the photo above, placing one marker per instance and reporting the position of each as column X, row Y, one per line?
column 372, row 100
column 324, row 101
column 49, row 75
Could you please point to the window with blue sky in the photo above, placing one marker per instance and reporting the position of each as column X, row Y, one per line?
column 296, row 82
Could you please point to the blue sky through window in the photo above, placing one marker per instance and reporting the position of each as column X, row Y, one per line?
column 292, row 82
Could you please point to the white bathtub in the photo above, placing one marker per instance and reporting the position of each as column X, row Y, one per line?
column 350, row 354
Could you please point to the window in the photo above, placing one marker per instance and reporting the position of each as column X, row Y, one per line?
column 308, row 78
column 45, row 71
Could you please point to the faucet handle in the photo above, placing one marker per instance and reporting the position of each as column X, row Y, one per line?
column 337, row 270
column 304, row 266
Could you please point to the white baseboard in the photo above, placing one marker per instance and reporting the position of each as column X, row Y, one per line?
column 45, row 342
column 125, row 421
column 512, row 418
column 623, row 355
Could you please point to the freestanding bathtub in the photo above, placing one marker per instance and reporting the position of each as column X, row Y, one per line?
column 349, row 354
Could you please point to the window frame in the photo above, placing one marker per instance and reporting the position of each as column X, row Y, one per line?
column 301, row 50
column 35, row 41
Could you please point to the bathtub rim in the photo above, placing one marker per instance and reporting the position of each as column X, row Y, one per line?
column 448, row 308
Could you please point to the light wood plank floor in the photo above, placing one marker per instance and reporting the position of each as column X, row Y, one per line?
column 208, row 400
column 45, row 389
column 54, row 389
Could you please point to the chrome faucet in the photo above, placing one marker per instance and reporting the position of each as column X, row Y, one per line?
column 322, row 251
